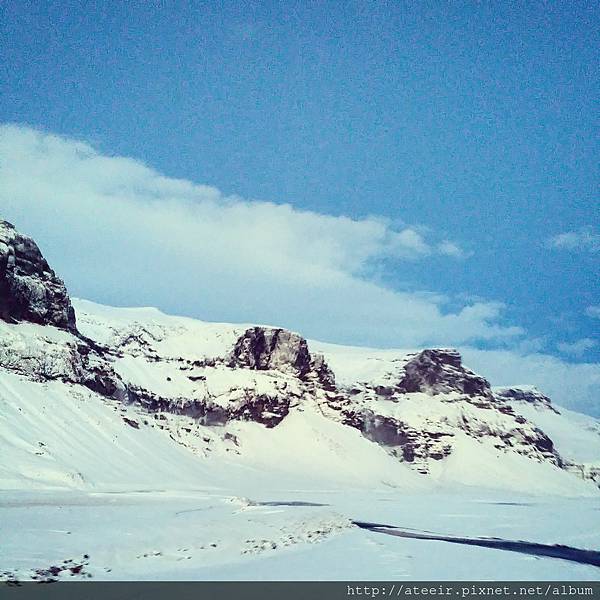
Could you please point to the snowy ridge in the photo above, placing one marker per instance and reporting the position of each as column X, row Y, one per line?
column 177, row 376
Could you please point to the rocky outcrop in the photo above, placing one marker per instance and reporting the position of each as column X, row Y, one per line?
column 324, row 375
column 418, row 411
column 409, row 444
column 69, row 359
column 287, row 375
column 528, row 395
column 266, row 409
column 438, row 371
column 29, row 288
column 264, row 348
column 590, row 472
column 432, row 439
column 31, row 291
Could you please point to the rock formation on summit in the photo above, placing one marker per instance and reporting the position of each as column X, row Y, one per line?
column 264, row 348
column 439, row 371
column 528, row 395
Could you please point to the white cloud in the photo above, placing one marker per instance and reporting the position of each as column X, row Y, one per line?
column 412, row 240
column 593, row 312
column 578, row 347
column 120, row 233
column 451, row 249
column 584, row 240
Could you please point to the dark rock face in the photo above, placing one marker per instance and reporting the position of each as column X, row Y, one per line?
column 264, row 348
column 29, row 288
column 528, row 395
column 259, row 408
column 401, row 440
column 259, row 349
column 420, row 443
column 323, row 373
column 202, row 411
column 98, row 375
column 262, row 408
column 439, row 372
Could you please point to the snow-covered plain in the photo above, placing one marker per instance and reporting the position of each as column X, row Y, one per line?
column 129, row 494
column 211, row 535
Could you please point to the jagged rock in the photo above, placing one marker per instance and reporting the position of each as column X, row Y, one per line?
column 205, row 412
column 100, row 377
column 586, row 472
column 323, row 373
column 438, row 371
column 409, row 444
column 530, row 395
column 264, row 348
column 29, row 288
column 259, row 408
column 418, row 444
column 68, row 358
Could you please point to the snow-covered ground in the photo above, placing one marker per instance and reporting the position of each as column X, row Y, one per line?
column 212, row 535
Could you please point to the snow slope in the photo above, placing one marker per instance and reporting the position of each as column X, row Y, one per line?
column 56, row 435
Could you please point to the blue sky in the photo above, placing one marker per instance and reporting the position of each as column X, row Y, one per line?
column 469, row 130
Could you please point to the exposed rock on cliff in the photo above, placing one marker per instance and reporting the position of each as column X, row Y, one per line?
column 421, row 409
column 58, row 355
column 438, row 371
column 29, row 288
column 264, row 348
column 529, row 395
column 266, row 409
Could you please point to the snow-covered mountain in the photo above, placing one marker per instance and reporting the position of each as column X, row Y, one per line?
column 202, row 381
column 107, row 400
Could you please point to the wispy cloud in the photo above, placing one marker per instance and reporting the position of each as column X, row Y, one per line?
column 451, row 249
column 578, row 347
column 584, row 240
column 593, row 312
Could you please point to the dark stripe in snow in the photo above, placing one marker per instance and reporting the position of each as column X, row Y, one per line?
column 586, row 557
